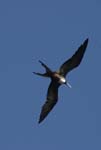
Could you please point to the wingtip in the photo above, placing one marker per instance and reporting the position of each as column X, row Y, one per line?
column 40, row 120
column 86, row 41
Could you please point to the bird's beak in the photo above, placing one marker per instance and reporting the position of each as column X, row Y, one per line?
column 68, row 85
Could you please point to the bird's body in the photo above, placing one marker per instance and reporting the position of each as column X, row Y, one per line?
column 58, row 78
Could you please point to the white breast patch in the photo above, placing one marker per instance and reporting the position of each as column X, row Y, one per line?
column 62, row 80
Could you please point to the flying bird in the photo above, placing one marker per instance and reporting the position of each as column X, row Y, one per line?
column 58, row 78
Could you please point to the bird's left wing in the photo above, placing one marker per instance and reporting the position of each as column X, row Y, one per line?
column 52, row 97
column 74, row 61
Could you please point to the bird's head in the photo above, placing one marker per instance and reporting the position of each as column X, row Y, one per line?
column 64, row 81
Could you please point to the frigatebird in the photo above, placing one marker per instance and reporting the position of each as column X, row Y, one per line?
column 58, row 78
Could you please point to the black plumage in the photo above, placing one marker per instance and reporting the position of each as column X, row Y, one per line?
column 58, row 78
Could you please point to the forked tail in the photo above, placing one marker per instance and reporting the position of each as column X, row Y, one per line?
column 47, row 73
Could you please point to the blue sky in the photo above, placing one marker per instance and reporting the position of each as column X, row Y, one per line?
column 50, row 31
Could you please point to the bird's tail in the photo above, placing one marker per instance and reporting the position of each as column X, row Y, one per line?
column 47, row 73
column 41, row 74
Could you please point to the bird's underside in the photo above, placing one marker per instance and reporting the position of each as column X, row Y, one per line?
column 52, row 93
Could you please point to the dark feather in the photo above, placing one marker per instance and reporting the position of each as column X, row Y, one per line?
column 52, row 98
column 74, row 61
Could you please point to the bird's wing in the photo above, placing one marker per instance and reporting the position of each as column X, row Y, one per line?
column 52, row 97
column 74, row 61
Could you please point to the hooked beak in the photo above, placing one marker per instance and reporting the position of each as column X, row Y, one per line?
column 68, row 85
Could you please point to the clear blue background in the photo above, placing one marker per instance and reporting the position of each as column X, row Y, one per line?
column 50, row 31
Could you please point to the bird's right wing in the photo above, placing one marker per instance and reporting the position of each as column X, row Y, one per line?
column 52, row 97
column 74, row 61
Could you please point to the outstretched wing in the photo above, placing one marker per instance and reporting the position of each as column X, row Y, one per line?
column 52, row 97
column 74, row 61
